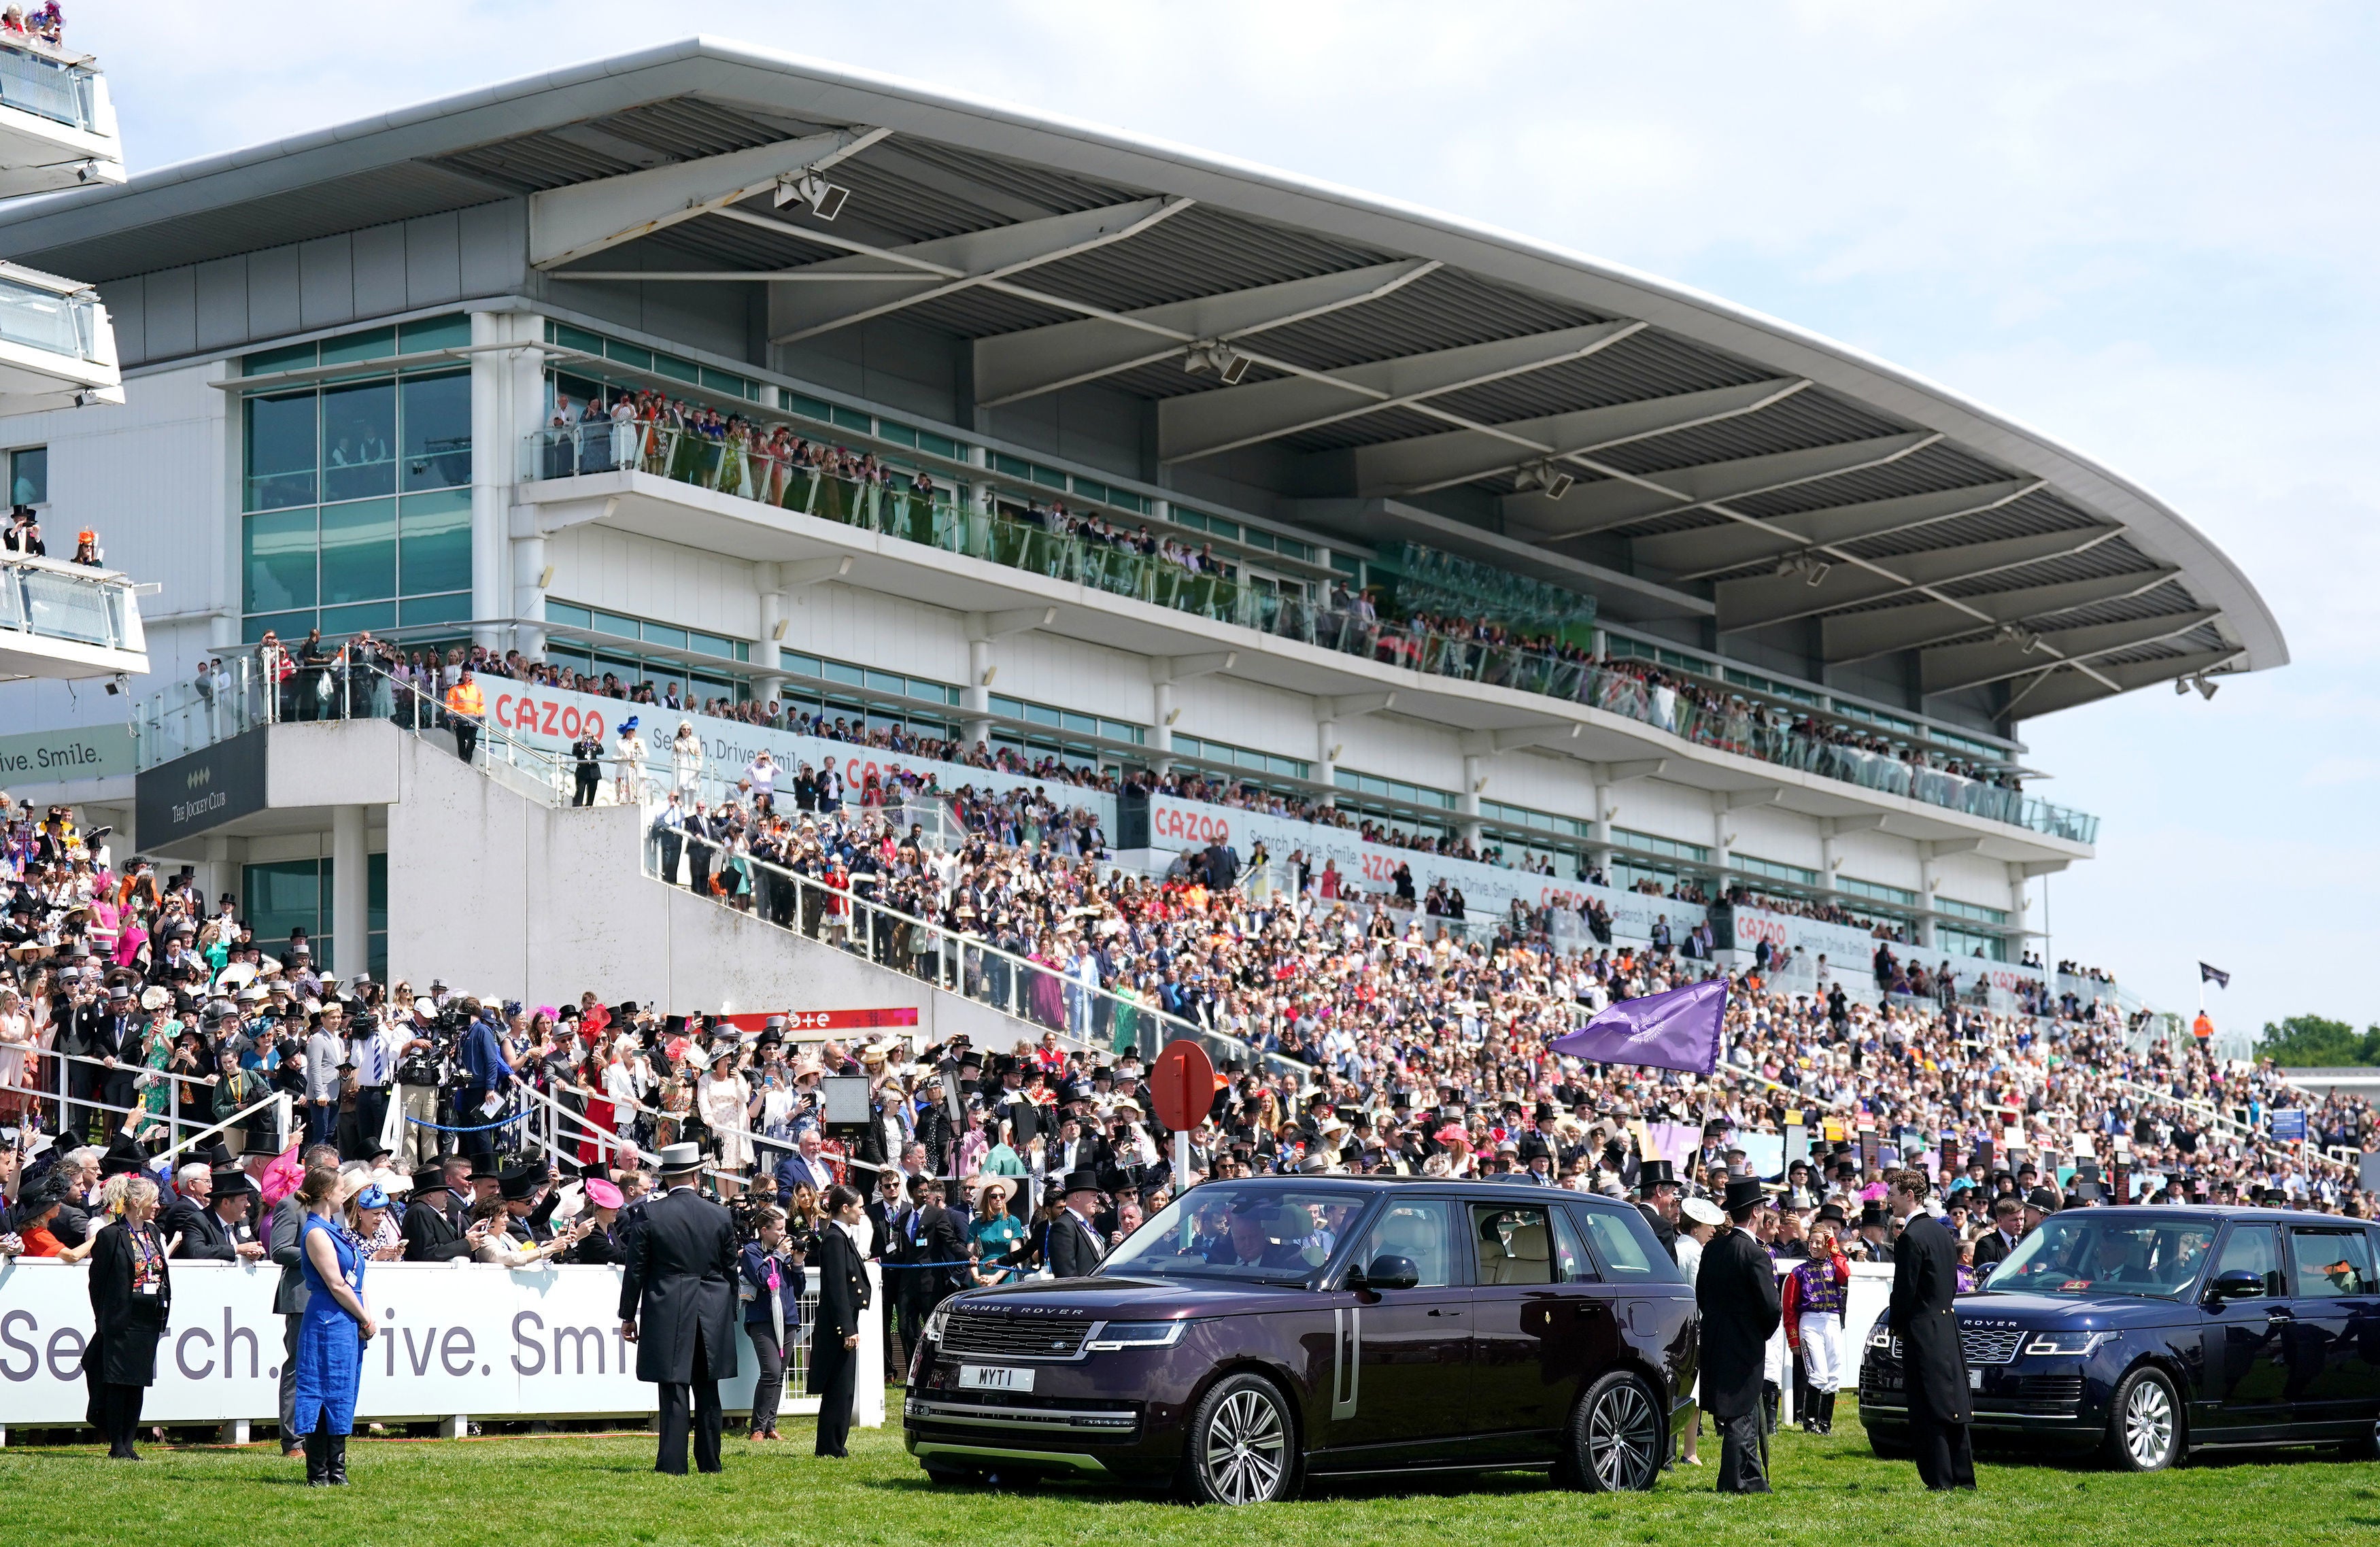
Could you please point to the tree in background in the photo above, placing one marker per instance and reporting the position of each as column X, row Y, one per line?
column 2312, row 1043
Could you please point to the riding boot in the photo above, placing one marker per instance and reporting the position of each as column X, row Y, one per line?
column 338, row 1460
column 318, row 1458
column 1826, row 1413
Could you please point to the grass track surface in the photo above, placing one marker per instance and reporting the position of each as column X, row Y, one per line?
column 529, row 1492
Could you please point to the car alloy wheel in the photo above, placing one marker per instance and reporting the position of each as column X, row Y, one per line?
column 1618, row 1441
column 2148, row 1423
column 1241, row 1451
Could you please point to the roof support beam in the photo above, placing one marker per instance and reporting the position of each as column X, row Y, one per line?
column 1627, row 772
column 585, row 218
column 1947, row 668
column 904, row 277
column 1205, row 423
column 1849, row 637
column 1489, row 743
column 2064, row 688
column 1761, row 600
column 1624, row 497
column 1703, row 552
column 1420, row 463
column 981, row 626
column 1010, row 366
column 1354, row 704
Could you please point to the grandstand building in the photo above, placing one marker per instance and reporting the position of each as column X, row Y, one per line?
column 357, row 365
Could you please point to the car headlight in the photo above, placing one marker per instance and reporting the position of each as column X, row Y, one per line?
column 1114, row 1336
column 1881, row 1337
column 936, row 1320
column 2073, row 1343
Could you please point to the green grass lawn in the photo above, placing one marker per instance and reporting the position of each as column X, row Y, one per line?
column 521, row 1492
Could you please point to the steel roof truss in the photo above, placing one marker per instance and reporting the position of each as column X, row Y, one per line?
column 1705, row 552
column 1761, row 600
column 1625, row 496
column 1948, row 668
column 2054, row 690
column 1858, row 636
column 584, row 218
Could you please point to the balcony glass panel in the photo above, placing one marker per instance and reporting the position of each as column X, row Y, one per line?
column 47, row 87
column 360, row 441
column 41, row 319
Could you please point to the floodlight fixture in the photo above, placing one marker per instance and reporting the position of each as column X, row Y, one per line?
column 1228, row 364
column 1544, row 477
column 825, row 198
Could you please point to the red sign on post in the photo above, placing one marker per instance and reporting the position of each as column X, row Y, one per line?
column 1182, row 1086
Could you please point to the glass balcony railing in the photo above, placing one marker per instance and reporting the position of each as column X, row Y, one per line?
column 37, row 82
column 1122, row 568
column 53, row 600
column 60, row 323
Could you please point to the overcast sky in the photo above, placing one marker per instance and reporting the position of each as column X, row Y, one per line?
column 2148, row 230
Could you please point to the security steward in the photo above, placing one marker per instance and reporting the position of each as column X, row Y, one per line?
column 1736, row 1291
column 677, row 1305
column 1933, row 1364
column 466, row 707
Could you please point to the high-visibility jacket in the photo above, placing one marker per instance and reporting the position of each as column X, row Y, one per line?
column 465, row 698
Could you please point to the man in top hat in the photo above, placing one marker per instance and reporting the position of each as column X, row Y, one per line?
column 1658, row 1194
column 677, row 1305
column 431, row 1231
column 1076, row 1245
column 1933, row 1364
column 1874, row 1244
column 1736, row 1290
column 213, row 1225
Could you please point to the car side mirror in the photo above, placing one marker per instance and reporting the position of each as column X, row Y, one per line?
column 1387, row 1271
column 2239, row 1283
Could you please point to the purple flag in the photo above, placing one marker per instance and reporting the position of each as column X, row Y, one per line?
column 1678, row 1030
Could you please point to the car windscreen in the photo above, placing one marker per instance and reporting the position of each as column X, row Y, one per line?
column 2074, row 1253
column 1233, row 1230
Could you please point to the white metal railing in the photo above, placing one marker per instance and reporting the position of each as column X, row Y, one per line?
column 175, row 1117
column 37, row 77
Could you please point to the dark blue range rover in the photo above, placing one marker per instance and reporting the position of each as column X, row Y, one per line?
column 2153, row 1333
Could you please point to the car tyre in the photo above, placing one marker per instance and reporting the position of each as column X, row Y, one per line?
column 1618, row 1439
column 1241, row 1446
column 952, row 1477
column 2145, row 1431
column 1889, row 1445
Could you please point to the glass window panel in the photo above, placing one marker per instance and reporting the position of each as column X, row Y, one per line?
column 628, row 354
column 280, row 451
column 1041, row 713
column 358, row 550
column 885, row 682
column 434, row 542
column 809, row 408
column 29, row 476
column 359, row 440
column 574, row 338
column 1415, row 1229
column 278, row 567
column 612, row 623
column 373, row 343
column 562, row 612
column 338, row 623
column 838, row 671
column 286, row 627
column 376, row 895
column 719, row 381
column 805, row 664
column 1088, row 724
column 415, row 611
column 297, row 356
column 682, row 370
column 1514, row 1243
column 710, row 644
column 852, row 419
column 283, row 895
column 1013, row 708
column 662, row 634
column 743, row 650
column 450, row 332
column 437, row 421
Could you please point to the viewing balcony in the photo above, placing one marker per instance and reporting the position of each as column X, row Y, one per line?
column 66, row 620
column 58, row 128
column 596, row 457
column 57, row 347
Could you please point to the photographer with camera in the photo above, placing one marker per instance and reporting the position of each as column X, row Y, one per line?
column 420, row 1070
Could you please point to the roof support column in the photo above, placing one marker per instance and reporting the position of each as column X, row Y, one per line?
column 492, row 445
column 1474, row 779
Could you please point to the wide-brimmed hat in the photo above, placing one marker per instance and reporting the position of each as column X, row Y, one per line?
column 992, row 1182
column 602, row 1194
column 1702, row 1210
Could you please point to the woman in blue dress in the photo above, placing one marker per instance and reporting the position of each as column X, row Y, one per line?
column 335, row 1327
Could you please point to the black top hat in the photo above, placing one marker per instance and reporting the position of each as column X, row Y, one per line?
column 517, row 1184
column 1871, row 1212
column 1655, row 1173
column 124, row 1157
column 1743, row 1192
column 1832, row 1213
column 2043, row 1199
column 230, row 1181
column 1084, row 1180
column 429, row 1179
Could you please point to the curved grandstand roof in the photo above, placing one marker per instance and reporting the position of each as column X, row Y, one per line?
column 1367, row 360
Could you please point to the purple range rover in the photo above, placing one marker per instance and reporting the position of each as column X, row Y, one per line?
column 1258, row 1332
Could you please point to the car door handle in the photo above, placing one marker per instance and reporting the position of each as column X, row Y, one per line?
column 2280, row 1313
column 1435, row 1311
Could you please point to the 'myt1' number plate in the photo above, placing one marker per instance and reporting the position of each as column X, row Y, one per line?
column 994, row 1377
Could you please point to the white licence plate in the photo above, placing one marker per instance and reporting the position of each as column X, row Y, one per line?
column 1974, row 1378
column 994, row 1377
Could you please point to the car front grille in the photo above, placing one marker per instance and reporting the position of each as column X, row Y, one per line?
column 2037, row 1393
column 990, row 1335
column 1990, row 1344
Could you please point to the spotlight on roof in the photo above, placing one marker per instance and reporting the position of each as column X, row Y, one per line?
column 2206, row 685
column 2025, row 638
column 1228, row 364
column 1544, row 477
column 1809, row 565
column 2181, row 686
column 825, row 198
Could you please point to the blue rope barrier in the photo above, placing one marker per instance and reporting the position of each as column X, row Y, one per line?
column 481, row 1127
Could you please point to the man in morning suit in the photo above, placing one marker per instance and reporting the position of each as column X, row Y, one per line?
column 677, row 1305
column 1933, row 1361
column 1736, row 1290
column 1075, row 1246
